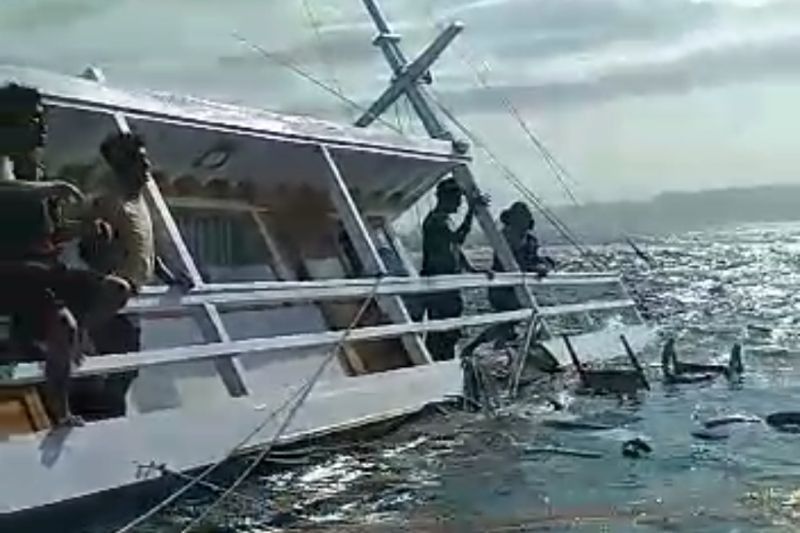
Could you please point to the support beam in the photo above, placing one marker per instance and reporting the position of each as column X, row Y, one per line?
column 399, row 248
column 410, row 75
column 359, row 235
column 210, row 321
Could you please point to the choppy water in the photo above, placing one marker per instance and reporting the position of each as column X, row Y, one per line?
column 452, row 471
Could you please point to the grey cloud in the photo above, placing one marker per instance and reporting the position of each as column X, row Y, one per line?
column 710, row 67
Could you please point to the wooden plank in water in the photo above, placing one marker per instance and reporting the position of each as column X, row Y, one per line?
column 596, row 305
column 601, row 345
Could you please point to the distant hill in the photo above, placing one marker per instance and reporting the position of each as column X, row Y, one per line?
column 669, row 212
column 673, row 212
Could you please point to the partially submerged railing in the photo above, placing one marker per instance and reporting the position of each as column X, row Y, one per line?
column 160, row 301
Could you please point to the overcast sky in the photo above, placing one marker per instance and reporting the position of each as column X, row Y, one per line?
column 633, row 96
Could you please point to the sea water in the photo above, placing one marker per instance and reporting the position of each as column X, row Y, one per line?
column 454, row 471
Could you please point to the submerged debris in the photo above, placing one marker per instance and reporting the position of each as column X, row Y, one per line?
column 636, row 448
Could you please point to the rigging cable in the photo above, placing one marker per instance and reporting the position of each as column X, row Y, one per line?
column 300, row 396
column 309, row 77
column 316, row 25
column 558, row 169
column 518, row 184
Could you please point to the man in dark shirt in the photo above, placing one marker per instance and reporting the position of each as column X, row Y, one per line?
column 441, row 255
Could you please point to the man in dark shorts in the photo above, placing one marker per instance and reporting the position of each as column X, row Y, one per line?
column 441, row 255
column 45, row 300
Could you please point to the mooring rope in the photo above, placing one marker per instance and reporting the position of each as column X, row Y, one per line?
column 300, row 395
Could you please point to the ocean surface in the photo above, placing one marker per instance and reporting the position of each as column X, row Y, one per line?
column 448, row 470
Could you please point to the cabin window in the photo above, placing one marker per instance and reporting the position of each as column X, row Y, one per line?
column 227, row 245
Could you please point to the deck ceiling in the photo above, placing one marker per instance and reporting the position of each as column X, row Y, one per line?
column 252, row 150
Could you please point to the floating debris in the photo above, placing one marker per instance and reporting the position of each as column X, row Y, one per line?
column 557, row 450
column 636, row 448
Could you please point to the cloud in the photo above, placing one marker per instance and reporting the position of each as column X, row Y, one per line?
column 700, row 60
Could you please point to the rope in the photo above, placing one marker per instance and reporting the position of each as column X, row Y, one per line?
column 290, row 416
column 301, row 394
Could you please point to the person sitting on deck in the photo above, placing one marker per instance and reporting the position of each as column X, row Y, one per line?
column 677, row 372
column 518, row 225
column 44, row 300
column 441, row 255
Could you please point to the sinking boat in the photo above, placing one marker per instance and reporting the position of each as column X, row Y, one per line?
column 284, row 224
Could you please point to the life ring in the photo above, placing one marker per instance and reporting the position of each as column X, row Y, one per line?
column 785, row 421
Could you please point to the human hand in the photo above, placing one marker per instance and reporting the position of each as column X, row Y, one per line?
column 479, row 199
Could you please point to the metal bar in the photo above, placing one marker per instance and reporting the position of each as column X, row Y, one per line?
column 410, row 75
column 368, row 254
column 110, row 364
column 399, row 248
column 211, row 322
column 170, row 303
column 609, row 305
column 428, row 283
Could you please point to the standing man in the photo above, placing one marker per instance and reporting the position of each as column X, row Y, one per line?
column 122, row 246
column 441, row 255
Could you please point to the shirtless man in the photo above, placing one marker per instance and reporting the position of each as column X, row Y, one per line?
column 33, row 284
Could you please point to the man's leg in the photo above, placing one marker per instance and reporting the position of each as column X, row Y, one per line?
column 442, row 344
column 60, row 350
column 121, row 334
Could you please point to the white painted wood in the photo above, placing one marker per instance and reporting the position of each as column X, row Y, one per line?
column 210, row 322
column 372, row 262
column 103, row 456
column 602, row 345
column 109, row 364
column 601, row 305
column 77, row 93
column 157, row 301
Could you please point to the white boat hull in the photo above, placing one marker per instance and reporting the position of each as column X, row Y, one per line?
column 64, row 465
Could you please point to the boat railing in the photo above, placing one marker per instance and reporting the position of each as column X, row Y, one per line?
column 159, row 301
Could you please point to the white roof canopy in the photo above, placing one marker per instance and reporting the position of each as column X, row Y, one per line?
column 186, row 136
